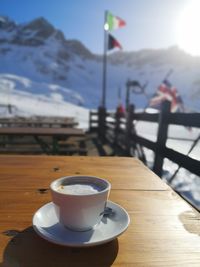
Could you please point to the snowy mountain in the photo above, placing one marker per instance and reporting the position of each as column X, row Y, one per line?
column 37, row 59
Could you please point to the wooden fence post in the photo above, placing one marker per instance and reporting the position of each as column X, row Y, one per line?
column 90, row 121
column 129, row 128
column 161, row 137
column 102, row 123
column 117, row 128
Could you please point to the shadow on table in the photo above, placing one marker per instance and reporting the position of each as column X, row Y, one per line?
column 27, row 249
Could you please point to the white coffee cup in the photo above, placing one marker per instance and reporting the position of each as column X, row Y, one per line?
column 80, row 201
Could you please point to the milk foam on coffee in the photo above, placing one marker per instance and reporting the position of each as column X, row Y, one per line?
column 79, row 189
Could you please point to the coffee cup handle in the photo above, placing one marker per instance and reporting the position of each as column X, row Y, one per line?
column 107, row 212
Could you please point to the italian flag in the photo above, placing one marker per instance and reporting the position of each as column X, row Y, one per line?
column 114, row 22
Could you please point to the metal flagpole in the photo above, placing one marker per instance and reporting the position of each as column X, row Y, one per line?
column 104, row 62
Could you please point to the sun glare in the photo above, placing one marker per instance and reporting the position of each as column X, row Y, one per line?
column 188, row 28
column 106, row 27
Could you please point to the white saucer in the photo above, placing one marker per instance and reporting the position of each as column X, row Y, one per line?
column 46, row 224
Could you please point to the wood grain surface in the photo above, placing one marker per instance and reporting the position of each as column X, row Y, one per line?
column 164, row 229
column 48, row 131
column 36, row 122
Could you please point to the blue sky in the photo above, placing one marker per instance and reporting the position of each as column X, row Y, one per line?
column 150, row 23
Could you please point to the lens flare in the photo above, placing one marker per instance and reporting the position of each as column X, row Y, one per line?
column 188, row 28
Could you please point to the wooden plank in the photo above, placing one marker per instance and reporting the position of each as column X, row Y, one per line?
column 120, row 172
column 185, row 119
column 93, row 113
column 146, row 117
column 41, row 131
column 144, row 142
column 48, row 119
column 35, row 122
column 31, row 150
column 184, row 161
column 38, row 124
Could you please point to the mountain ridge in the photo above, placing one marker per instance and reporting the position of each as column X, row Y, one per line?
column 40, row 52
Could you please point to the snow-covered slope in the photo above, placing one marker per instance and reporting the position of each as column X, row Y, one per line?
column 11, row 84
column 49, row 102
column 39, row 52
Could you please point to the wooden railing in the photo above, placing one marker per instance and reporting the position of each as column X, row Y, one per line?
column 119, row 131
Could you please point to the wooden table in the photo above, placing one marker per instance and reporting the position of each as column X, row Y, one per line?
column 164, row 229
column 34, row 122
column 55, row 133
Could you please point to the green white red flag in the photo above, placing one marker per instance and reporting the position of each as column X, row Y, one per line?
column 113, row 22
